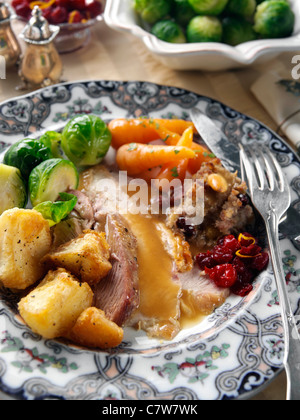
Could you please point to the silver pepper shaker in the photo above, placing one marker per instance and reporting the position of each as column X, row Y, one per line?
column 41, row 64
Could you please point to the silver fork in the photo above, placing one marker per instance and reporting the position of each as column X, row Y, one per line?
column 270, row 194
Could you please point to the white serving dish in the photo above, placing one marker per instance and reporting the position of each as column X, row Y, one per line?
column 212, row 56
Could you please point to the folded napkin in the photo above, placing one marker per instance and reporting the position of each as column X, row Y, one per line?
column 279, row 93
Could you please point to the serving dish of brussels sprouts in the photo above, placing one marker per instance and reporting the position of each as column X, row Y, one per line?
column 209, row 34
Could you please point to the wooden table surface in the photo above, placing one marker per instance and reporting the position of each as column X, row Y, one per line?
column 114, row 56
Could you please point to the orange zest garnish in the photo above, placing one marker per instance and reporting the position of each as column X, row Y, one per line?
column 246, row 238
column 250, row 243
column 72, row 16
column 238, row 253
column 41, row 4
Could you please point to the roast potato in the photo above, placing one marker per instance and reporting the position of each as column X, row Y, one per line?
column 93, row 329
column 86, row 257
column 24, row 239
column 52, row 308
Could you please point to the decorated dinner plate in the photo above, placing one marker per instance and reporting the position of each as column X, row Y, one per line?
column 230, row 354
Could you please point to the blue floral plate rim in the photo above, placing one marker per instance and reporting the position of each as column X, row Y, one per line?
column 232, row 355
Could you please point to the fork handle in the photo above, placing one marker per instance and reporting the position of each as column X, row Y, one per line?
column 291, row 335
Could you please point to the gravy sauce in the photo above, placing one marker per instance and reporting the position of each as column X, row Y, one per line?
column 161, row 296
column 159, row 293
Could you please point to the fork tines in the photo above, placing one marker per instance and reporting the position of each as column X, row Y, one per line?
column 266, row 168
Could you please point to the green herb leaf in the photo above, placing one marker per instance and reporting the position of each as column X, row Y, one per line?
column 54, row 212
column 207, row 154
column 174, row 172
column 132, row 146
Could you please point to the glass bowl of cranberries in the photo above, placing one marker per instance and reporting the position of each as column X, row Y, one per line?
column 74, row 17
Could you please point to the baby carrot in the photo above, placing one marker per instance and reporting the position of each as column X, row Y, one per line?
column 125, row 131
column 171, row 171
column 169, row 137
column 136, row 158
column 173, row 124
column 145, row 130
column 202, row 155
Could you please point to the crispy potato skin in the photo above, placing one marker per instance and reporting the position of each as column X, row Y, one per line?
column 24, row 240
column 93, row 329
column 86, row 257
column 52, row 308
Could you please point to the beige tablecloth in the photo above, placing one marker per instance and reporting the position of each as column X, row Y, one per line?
column 114, row 56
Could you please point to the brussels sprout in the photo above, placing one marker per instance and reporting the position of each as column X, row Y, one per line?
column 26, row 154
column 52, row 139
column 244, row 8
column 86, row 140
column 13, row 190
column 237, row 31
column 50, row 178
column 55, row 212
column 274, row 19
column 151, row 11
column 183, row 12
column 204, row 29
column 169, row 31
column 208, row 7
